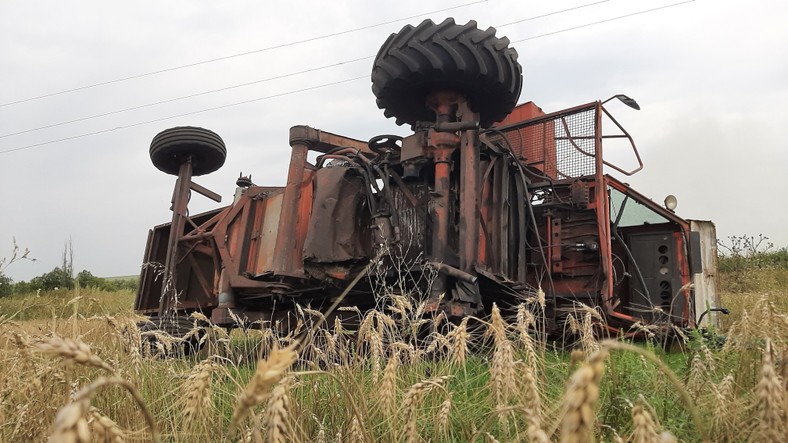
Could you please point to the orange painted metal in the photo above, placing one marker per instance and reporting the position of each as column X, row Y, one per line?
column 469, row 191
column 491, row 214
column 287, row 260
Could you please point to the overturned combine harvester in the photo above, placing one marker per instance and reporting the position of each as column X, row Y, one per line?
column 485, row 202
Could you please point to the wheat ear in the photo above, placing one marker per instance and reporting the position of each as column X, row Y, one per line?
column 388, row 387
column 277, row 414
column 106, row 429
column 269, row 372
column 411, row 402
column 770, row 413
column 73, row 350
column 581, row 397
column 71, row 423
column 197, row 388
column 643, row 428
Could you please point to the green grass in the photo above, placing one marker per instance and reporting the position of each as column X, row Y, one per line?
column 130, row 278
column 62, row 303
column 324, row 398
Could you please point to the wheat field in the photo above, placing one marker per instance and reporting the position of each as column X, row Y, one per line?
column 74, row 367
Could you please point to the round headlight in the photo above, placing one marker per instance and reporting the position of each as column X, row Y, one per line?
column 671, row 202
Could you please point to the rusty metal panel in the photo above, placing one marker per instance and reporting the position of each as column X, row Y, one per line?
column 336, row 222
column 535, row 145
column 150, row 283
column 412, row 222
column 705, row 282
column 271, row 209
column 561, row 145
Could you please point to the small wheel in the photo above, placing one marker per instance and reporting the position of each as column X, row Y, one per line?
column 173, row 147
column 431, row 57
column 383, row 144
column 171, row 336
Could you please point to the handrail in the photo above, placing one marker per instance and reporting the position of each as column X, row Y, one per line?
column 631, row 142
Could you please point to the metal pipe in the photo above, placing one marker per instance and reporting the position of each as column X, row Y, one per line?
column 469, row 191
column 453, row 272
column 442, row 189
column 180, row 203
column 286, row 259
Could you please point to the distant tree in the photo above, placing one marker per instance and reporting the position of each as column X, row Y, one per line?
column 88, row 280
column 6, row 285
column 55, row 279
column 23, row 287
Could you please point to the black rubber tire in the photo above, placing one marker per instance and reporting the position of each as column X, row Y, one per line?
column 177, row 327
column 170, row 148
column 433, row 57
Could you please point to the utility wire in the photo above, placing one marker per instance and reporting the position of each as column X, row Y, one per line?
column 318, row 86
column 552, row 13
column 212, row 91
column 602, row 21
column 240, row 54
column 227, row 88
column 230, row 105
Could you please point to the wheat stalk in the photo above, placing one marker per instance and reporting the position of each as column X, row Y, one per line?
column 73, row 350
column 376, row 351
column 643, row 428
column 197, row 389
column 356, row 434
column 534, row 433
column 531, row 397
column 502, row 370
column 442, row 418
column 581, row 397
column 412, row 400
column 269, row 372
column 129, row 334
column 771, row 416
column 525, row 320
column 106, row 429
column 587, row 339
column 387, row 395
column 698, row 375
column 722, row 398
column 458, row 342
column 321, row 435
column 277, row 414
column 71, row 423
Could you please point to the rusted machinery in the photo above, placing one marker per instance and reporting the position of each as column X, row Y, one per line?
column 494, row 203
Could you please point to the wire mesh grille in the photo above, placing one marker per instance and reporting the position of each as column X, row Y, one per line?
column 561, row 147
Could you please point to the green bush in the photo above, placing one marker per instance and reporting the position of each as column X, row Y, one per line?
column 749, row 264
column 6, row 285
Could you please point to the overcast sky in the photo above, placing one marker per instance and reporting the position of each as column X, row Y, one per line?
column 711, row 78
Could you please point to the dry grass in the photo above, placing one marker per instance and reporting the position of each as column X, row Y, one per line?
column 384, row 382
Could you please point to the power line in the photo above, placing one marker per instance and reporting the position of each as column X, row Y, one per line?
column 227, row 88
column 230, row 105
column 240, row 54
column 212, row 91
column 315, row 87
column 552, row 13
column 602, row 21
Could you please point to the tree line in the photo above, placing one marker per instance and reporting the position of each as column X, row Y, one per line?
column 61, row 277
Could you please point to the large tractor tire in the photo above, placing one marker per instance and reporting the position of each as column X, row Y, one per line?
column 173, row 147
column 437, row 57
